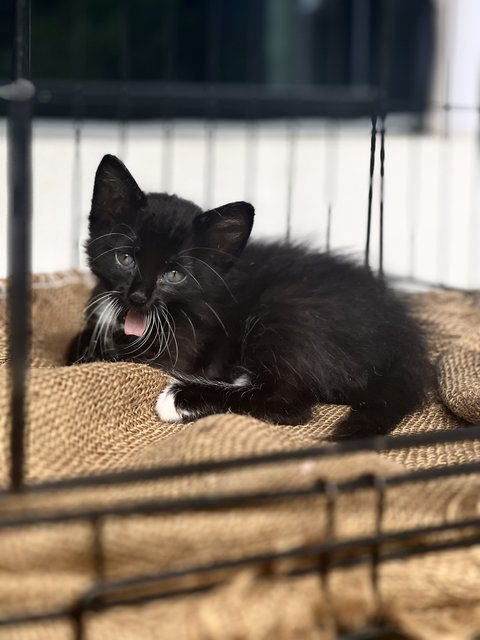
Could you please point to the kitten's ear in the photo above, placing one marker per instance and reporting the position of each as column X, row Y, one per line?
column 115, row 192
column 226, row 228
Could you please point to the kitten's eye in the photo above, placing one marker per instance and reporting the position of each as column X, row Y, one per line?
column 125, row 260
column 174, row 277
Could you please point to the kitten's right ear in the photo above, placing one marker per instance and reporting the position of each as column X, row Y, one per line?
column 115, row 192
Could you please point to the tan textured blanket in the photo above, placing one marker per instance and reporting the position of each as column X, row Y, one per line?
column 100, row 417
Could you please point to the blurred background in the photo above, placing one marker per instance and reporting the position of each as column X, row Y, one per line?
column 269, row 101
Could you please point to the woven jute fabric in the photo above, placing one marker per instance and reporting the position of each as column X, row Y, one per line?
column 100, row 417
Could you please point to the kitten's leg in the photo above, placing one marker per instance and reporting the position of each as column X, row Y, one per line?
column 269, row 400
column 277, row 389
column 382, row 405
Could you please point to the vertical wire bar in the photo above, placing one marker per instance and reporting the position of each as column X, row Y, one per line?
column 169, row 72
column 331, row 177
column 414, row 165
column 382, row 193
column 76, row 198
column 293, row 30
column 474, row 261
column 213, row 44
column 251, row 122
column 385, row 64
column 291, row 161
column 79, row 47
column 379, row 486
column 78, row 625
column 328, row 240
column 361, row 39
column 167, row 156
column 209, row 162
column 97, row 550
column 19, row 243
column 331, row 493
column 373, row 143
column 445, row 164
column 251, row 159
column 124, row 73
column 444, row 199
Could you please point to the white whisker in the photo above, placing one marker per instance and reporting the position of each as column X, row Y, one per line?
column 125, row 246
column 171, row 333
column 95, row 299
column 96, row 303
column 99, row 328
column 190, row 274
column 215, row 272
column 191, row 324
column 160, row 335
column 112, row 233
column 217, row 317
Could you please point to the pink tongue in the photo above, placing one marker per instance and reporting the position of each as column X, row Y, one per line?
column 134, row 323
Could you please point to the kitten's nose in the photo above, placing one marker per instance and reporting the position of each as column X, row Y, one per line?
column 137, row 297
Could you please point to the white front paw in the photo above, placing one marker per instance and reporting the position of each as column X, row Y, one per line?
column 166, row 407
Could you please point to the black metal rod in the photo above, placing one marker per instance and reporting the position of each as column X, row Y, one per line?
column 228, row 100
column 291, row 161
column 169, row 73
column 19, row 234
column 330, row 177
column 78, row 49
column 328, row 239
column 406, row 552
column 91, row 599
column 203, row 502
column 382, row 194
column 373, row 144
column 469, row 433
column 124, row 74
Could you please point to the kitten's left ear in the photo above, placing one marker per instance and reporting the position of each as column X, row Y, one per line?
column 226, row 228
column 115, row 192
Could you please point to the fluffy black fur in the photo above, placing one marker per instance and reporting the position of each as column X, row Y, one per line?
column 266, row 329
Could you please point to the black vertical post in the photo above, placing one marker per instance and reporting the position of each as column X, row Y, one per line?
column 373, row 143
column 291, row 161
column 253, row 76
column 79, row 46
column 214, row 26
column 124, row 73
column 169, row 76
column 19, row 232
column 382, row 195
column 386, row 38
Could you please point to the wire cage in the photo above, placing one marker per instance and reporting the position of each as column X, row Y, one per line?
column 31, row 504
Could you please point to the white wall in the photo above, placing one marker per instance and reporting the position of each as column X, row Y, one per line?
column 431, row 187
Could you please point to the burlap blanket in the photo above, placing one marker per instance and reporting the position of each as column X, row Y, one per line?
column 100, row 417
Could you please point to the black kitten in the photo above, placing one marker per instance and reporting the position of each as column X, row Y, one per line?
column 266, row 329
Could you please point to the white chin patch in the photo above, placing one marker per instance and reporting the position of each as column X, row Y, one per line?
column 166, row 409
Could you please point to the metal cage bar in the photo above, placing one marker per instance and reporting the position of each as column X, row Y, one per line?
column 19, row 235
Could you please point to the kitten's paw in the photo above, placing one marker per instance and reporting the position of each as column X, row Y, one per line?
column 166, row 407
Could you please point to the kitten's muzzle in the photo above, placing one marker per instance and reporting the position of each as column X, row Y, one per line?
column 137, row 298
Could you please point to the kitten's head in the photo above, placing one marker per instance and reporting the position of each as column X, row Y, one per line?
column 158, row 250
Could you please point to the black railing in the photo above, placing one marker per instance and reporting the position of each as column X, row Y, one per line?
column 20, row 94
